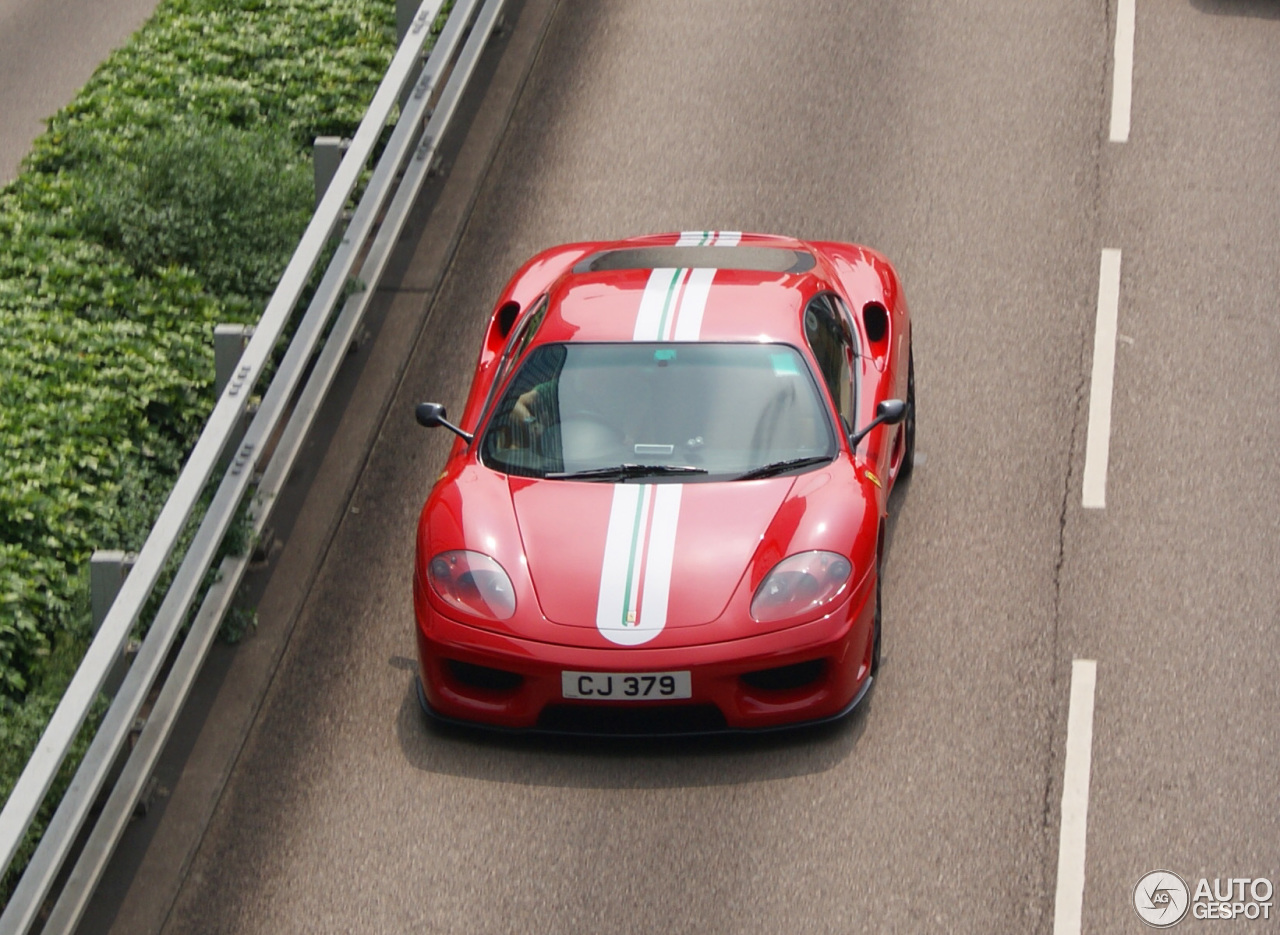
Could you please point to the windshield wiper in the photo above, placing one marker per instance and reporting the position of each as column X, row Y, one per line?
column 626, row 471
column 781, row 467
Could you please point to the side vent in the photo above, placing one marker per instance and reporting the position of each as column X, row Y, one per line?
column 506, row 318
column 876, row 321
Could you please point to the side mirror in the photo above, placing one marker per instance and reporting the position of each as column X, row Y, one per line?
column 431, row 415
column 889, row 412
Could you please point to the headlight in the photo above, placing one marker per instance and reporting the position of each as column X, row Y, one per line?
column 800, row 586
column 474, row 583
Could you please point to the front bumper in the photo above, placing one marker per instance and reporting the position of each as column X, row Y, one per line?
column 811, row 673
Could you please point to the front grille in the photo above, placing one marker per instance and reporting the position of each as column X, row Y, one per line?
column 785, row 678
column 483, row 677
column 619, row 720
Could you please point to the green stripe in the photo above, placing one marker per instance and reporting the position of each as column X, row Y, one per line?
column 631, row 561
column 666, row 306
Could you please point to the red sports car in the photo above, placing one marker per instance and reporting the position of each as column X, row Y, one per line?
column 664, row 511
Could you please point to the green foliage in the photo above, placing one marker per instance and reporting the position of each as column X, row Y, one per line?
column 237, row 624
column 165, row 199
column 103, row 376
column 22, row 723
column 226, row 203
column 305, row 68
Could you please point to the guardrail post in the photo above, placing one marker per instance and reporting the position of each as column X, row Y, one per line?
column 229, row 342
column 107, row 570
column 406, row 10
column 406, row 13
column 326, row 156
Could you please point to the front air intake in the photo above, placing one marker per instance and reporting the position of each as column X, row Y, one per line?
column 786, row 678
column 483, row 677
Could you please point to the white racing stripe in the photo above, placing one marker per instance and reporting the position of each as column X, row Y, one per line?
column 611, row 605
column 657, row 303
column 639, row 552
column 688, row 324
column 639, row 548
column 672, row 305
column 709, row 238
column 660, row 558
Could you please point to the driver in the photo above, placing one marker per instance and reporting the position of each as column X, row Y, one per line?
column 533, row 413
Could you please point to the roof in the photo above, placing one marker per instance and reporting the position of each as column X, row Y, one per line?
column 712, row 286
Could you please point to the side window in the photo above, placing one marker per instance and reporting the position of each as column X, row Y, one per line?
column 842, row 311
column 831, row 341
column 520, row 339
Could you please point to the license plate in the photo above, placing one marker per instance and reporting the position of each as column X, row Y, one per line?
column 625, row 686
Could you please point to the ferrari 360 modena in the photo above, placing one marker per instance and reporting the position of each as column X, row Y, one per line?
column 664, row 509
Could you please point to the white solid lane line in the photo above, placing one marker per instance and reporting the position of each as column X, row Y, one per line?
column 1069, row 900
column 1122, row 75
column 1097, row 446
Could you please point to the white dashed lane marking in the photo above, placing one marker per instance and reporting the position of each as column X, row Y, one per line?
column 1122, row 74
column 1097, row 448
column 1069, row 900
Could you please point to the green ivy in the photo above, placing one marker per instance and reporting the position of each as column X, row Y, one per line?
column 165, row 199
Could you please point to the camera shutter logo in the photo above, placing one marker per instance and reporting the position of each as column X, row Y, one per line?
column 1161, row 899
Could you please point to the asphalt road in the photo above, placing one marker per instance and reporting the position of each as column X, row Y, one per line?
column 970, row 143
column 48, row 49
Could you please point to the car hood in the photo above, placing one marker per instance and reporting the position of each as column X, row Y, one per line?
column 654, row 565
column 629, row 557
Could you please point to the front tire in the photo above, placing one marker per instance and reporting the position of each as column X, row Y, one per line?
column 909, row 426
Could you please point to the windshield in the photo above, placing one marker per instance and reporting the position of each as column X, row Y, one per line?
column 722, row 409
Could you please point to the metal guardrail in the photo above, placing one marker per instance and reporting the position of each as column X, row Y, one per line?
column 426, row 110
